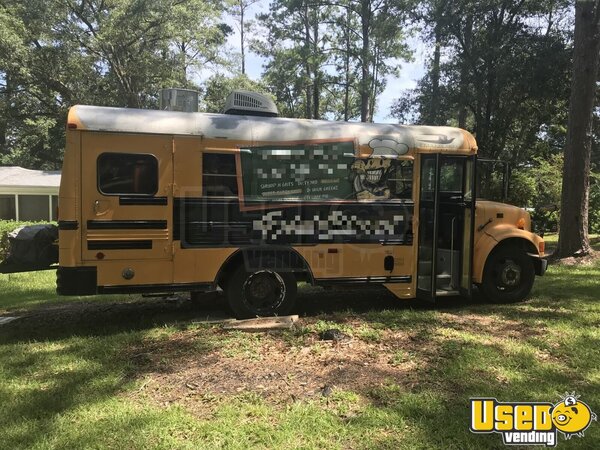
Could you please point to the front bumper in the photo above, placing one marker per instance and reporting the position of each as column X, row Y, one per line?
column 540, row 265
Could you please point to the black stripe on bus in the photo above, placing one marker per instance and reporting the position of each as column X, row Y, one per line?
column 155, row 288
column 126, row 224
column 68, row 225
column 208, row 222
column 120, row 245
column 143, row 201
column 365, row 280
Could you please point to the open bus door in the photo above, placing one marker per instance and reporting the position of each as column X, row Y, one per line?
column 446, row 226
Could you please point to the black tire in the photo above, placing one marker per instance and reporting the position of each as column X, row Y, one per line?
column 261, row 293
column 508, row 275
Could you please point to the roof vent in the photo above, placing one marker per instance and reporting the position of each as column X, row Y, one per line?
column 249, row 103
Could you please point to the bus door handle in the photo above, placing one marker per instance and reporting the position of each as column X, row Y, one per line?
column 100, row 207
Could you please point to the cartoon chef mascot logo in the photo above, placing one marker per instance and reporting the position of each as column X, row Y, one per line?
column 369, row 176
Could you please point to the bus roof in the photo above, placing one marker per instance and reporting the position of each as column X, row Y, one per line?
column 409, row 138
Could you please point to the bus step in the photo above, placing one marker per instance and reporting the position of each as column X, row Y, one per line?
column 445, row 293
column 443, row 281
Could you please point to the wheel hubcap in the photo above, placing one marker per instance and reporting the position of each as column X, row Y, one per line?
column 264, row 291
column 508, row 275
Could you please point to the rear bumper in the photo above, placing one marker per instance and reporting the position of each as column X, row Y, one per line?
column 540, row 265
column 84, row 281
column 76, row 281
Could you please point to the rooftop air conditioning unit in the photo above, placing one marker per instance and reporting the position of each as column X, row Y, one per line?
column 249, row 103
column 184, row 100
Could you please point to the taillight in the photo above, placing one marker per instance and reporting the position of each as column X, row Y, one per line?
column 542, row 247
column 521, row 223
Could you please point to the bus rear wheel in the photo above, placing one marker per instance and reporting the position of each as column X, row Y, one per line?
column 261, row 293
column 508, row 275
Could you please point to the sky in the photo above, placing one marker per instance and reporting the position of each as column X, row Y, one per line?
column 410, row 73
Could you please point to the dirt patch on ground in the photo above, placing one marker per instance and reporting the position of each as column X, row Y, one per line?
column 197, row 368
column 587, row 260
column 276, row 369
column 492, row 325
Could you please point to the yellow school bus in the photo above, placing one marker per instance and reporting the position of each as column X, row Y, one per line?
column 162, row 201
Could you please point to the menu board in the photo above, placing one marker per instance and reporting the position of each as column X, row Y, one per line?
column 305, row 172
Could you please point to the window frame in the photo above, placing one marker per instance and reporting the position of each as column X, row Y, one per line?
column 154, row 158
column 234, row 175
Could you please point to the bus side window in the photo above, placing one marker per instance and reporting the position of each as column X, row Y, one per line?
column 127, row 174
column 400, row 180
column 219, row 178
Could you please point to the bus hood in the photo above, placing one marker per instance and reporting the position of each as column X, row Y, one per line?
column 496, row 212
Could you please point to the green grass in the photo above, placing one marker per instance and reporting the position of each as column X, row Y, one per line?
column 74, row 373
column 23, row 291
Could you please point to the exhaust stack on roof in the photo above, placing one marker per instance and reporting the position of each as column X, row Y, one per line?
column 184, row 100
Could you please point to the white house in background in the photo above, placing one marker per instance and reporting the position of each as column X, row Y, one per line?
column 29, row 195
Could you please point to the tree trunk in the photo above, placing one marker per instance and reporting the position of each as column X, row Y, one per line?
column 316, row 70
column 573, row 232
column 373, row 87
column 183, row 54
column 434, row 107
column 364, row 82
column 5, row 113
column 464, row 74
column 307, row 66
column 242, row 47
column 347, row 68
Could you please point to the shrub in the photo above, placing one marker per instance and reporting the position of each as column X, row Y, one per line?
column 538, row 187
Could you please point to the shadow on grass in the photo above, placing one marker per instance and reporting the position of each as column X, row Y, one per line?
column 379, row 306
column 71, row 359
column 437, row 408
column 89, row 318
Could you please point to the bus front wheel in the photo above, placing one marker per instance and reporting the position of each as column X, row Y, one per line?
column 261, row 293
column 508, row 275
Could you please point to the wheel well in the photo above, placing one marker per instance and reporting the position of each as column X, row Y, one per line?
column 484, row 250
column 282, row 259
column 523, row 244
